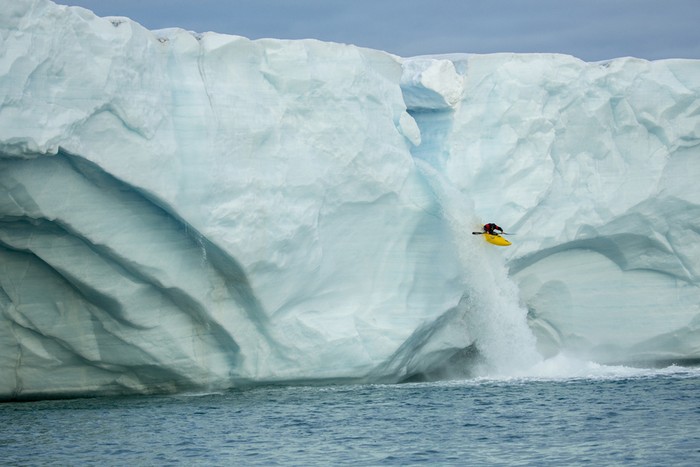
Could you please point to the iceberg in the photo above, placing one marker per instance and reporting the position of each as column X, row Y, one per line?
column 184, row 211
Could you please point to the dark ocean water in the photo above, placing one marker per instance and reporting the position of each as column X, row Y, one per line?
column 645, row 418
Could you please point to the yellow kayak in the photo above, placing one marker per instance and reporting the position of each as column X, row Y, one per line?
column 496, row 240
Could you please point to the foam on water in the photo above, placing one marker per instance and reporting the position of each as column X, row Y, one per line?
column 564, row 367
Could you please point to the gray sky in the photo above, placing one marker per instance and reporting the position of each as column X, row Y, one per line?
column 589, row 29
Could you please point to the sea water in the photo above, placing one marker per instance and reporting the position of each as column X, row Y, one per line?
column 613, row 417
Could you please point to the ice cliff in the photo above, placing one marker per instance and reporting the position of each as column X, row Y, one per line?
column 184, row 211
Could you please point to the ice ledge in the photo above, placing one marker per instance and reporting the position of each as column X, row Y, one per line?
column 431, row 84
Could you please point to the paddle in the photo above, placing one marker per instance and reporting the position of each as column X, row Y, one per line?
column 502, row 233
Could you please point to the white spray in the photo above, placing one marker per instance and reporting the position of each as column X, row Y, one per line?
column 494, row 315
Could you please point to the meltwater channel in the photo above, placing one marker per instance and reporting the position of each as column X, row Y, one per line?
column 612, row 416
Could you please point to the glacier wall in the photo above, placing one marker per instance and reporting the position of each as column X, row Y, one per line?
column 595, row 166
column 184, row 211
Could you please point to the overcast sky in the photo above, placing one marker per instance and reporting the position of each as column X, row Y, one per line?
column 589, row 29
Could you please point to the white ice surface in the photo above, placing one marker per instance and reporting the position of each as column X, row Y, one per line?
column 186, row 211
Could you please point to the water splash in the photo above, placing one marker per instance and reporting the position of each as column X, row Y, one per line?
column 494, row 315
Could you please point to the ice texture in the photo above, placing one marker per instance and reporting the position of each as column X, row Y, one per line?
column 183, row 211
column 596, row 167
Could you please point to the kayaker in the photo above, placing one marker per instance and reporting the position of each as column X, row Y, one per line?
column 492, row 228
